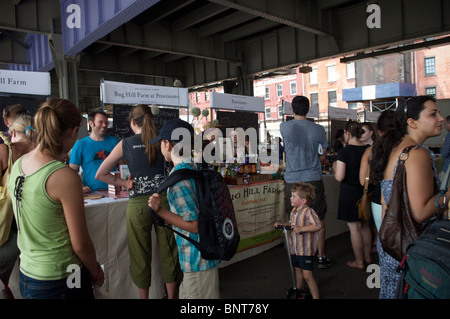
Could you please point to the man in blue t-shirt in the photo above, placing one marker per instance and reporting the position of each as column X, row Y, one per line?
column 89, row 152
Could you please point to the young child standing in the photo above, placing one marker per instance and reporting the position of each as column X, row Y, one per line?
column 201, row 277
column 304, row 235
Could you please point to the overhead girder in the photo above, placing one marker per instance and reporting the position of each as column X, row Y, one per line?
column 19, row 18
column 206, row 41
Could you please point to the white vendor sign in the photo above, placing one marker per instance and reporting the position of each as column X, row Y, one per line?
column 372, row 116
column 237, row 102
column 130, row 93
column 24, row 82
column 340, row 113
column 313, row 110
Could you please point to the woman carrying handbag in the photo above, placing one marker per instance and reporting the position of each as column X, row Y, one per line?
column 418, row 118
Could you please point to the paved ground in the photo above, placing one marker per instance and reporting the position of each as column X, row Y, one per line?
column 267, row 275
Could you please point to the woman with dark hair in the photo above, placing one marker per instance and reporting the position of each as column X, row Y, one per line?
column 369, row 135
column 48, row 207
column 339, row 142
column 146, row 165
column 348, row 162
column 385, row 122
column 418, row 118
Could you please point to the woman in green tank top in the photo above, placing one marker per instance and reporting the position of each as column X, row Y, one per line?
column 48, row 206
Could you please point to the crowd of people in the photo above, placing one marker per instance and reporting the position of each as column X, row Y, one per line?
column 43, row 218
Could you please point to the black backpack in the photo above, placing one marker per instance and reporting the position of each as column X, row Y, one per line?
column 217, row 226
column 425, row 268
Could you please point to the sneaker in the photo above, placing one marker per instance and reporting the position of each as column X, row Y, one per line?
column 323, row 263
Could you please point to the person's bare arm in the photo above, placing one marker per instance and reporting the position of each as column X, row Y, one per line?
column 64, row 186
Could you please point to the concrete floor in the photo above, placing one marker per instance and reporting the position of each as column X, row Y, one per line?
column 267, row 275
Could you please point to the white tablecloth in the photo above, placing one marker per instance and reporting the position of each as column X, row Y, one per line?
column 107, row 227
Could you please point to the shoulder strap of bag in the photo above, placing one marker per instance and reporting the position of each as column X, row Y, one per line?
column 176, row 177
column 366, row 180
column 405, row 151
column 443, row 190
column 171, row 180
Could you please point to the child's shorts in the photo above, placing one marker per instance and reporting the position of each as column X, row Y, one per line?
column 302, row 262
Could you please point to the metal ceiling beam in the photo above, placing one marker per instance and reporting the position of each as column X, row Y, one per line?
column 224, row 23
column 161, row 50
column 266, row 15
column 249, row 29
column 31, row 16
column 399, row 49
column 127, row 73
column 192, row 18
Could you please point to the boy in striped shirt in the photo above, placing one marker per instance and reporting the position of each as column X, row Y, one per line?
column 304, row 235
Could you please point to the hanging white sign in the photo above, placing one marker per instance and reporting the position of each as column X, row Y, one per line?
column 237, row 102
column 340, row 113
column 312, row 113
column 372, row 116
column 25, row 82
column 130, row 93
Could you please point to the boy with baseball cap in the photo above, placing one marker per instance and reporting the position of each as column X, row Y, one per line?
column 201, row 277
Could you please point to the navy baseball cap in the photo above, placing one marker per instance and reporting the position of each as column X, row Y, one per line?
column 166, row 131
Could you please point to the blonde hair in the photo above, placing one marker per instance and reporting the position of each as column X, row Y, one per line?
column 142, row 116
column 11, row 112
column 23, row 124
column 304, row 190
column 52, row 120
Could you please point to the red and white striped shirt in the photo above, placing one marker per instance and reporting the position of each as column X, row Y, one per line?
column 304, row 244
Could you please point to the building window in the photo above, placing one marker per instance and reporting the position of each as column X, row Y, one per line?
column 314, row 97
column 331, row 73
column 293, row 87
column 313, row 76
column 267, row 93
column 280, row 110
column 197, row 97
column 431, row 91
column 351, row 70
column 267, row 109
column 207, row 96
column 279, row 90
column 430, row 66
column 332, row 100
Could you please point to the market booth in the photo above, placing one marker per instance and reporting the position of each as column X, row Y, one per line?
column 258, row 199
column 256, row 190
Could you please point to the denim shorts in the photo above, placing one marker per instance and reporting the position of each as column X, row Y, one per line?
column 56, row 289
column 302, row 262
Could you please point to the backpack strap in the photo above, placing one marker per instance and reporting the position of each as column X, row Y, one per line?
column 176, row 177
column 171, row 180
column 443, row 190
